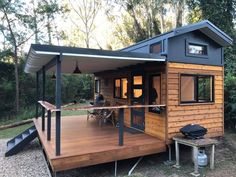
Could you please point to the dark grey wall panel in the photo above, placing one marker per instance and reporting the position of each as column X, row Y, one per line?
column 177, row 49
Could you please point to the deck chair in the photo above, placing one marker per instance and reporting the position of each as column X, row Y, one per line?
column 95, row 113
column 107, row 115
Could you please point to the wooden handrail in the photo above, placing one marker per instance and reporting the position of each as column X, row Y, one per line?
column 48, row 106
column 112, row 107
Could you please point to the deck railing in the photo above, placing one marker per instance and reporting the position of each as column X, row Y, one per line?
column 52, row 108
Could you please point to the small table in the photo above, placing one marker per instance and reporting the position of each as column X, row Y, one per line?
column 195, row 144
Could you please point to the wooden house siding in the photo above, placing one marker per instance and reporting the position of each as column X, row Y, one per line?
column 154, row 123
column 209, row 115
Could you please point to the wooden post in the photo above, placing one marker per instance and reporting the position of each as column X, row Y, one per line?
column 58, row 106
column 37, row 96
column 43, row 98
column 49, row 126
column 121, row 126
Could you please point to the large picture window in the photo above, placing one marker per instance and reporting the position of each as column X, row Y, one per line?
column 121, row 88
column 154, row 92
column 196, row 88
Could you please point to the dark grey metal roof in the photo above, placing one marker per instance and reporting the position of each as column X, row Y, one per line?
column 206, row 27
column 89, row 60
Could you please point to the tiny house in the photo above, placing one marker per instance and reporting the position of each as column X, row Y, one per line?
column 156, row 87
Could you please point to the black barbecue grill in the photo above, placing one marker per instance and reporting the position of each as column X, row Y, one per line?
column 193, row 131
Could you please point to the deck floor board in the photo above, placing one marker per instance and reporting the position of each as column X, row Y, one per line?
column 85, row 143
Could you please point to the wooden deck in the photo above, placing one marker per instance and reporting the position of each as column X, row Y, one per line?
column 85, row 143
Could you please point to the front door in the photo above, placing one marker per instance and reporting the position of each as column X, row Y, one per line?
column 137, row 98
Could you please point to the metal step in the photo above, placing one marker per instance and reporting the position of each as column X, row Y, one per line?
column 24, row 135
column 17, row 143
column 31, row 130
column 18, row 140
column 10, row 145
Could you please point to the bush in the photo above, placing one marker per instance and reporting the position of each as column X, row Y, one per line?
column 230, row 101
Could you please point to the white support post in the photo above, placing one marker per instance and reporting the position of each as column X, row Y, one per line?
column 212, row 159
column 177, row 154
column 195, row 154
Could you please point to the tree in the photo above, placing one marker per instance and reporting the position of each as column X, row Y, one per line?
column 178, row 7
column 222, row 14
column 15, row 27
column 86, row 11
column 46, row 11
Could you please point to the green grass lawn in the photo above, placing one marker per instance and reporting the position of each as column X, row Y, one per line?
column 12, row 132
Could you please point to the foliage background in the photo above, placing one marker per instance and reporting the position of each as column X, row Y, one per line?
column 123, row 22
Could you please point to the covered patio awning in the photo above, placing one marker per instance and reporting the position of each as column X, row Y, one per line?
column 88, row 60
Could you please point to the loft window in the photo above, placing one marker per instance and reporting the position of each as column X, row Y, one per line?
column 196, row 88
column 156, row 48
column 121, row 88
column 196, row 49
column 154, row 92
column 97, row 86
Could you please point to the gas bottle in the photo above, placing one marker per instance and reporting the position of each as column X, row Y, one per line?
column 202, row 158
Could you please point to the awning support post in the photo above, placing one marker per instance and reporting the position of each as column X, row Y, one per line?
column 115, row 168
column 58, row 105
column 49, row 125
column 43, row 97
column 121, row 126
column 37, row 96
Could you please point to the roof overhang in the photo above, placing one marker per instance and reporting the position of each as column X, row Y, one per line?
column 207, row 28
column 89, row 60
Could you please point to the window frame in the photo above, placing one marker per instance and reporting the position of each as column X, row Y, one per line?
column 121, row 86
column 150, row 79
column 196, row 95
column 187, row 43
column 97, row 89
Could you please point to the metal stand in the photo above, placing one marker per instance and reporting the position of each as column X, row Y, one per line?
column 169, row 161
column 177, row 155
column 132, row 169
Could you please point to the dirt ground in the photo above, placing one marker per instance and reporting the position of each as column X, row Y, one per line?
column 150, row 166
column 153, row 166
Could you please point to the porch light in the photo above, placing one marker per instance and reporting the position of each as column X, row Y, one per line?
column 77, row 70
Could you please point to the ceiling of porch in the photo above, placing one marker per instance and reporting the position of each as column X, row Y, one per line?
column 89, row 60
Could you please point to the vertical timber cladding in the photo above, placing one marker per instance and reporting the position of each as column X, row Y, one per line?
column 209, row 115
column 154, row 123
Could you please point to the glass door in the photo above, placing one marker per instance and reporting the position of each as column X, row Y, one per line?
column 137, row 98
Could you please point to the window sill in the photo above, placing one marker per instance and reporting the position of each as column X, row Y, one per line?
column 204, row 103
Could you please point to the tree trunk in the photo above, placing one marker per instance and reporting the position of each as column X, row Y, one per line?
column 16, row 79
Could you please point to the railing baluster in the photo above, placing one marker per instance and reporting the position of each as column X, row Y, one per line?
column 121, row 126
column 49, row 126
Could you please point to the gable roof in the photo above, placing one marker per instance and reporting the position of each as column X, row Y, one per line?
column 206, row 27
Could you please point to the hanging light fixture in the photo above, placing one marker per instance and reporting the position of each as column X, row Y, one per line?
column 77, row 70
column 53, row 77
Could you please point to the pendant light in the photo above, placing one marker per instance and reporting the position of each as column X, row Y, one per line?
column 53, row 77
column 77, row 70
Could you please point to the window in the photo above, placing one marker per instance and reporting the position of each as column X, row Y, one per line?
column 156, row 48
column 121, row 88
column 97, row 86
column 154, row 92
column 196, row 88
column 196, row 49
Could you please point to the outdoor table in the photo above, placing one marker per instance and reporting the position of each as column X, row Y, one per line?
column 195, row 144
